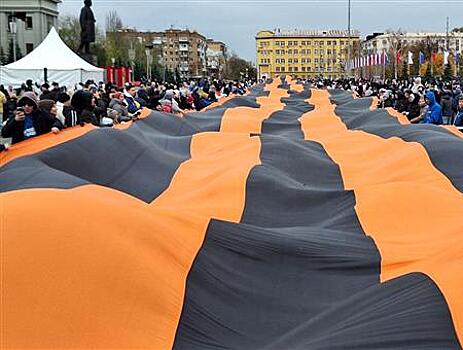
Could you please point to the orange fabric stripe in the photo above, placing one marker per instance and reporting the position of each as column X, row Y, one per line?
column 100, row 269
column 404, row 203
column 404, row 120
column 249, row 120
column 42, row 142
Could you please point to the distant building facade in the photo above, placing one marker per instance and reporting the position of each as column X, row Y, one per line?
column 216, row 58
column 183, row 51
column 33, row 18
column 377, row 43
column 303, row 54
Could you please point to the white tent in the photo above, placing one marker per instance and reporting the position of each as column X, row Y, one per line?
column 63, row 65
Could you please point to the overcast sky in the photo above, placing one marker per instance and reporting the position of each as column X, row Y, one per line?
column 236, row 22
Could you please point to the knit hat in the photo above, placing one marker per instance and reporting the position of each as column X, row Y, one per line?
column 30, row 98
column 118, row 95
column 46, row 105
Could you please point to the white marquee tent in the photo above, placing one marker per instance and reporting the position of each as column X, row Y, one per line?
column 63, row 65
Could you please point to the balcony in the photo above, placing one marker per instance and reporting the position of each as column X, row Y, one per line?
column 183, row 39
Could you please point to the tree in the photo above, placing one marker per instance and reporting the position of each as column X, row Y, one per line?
column 395, row 44
column 69, row 31
column 10, row 58
column 404, row 74
column 115, row 47
column 113, row 22
column 3, row 57
column 237, row 67
column 448, row 73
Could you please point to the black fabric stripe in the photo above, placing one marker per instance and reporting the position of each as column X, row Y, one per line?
column 139, row 161
column 211, row 119
column 298, row 272
column 443, row 147
column 285, row 122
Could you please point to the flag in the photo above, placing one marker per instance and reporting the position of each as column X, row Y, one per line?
column 398, row 57
column 446, row 57
column 422, row 58
column 410, row 57
column 386, row 58
column 457, row 58
column 292, row 223
column 434, row 57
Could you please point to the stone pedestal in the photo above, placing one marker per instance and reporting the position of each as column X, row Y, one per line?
column 89, row 57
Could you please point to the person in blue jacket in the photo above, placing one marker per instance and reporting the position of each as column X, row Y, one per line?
column 459, row 117
column 434, row 114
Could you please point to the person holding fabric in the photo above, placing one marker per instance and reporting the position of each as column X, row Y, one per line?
column 119, row 104
column 28, row 121
column 133, row 106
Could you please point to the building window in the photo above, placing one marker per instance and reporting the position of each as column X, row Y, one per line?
column 295, row 60
column 29, row 22
column 290, row 69
column 295, row 52
column 290, row 52
column 290, row 60
column 277, row 69
column 29, row 48
column 295, row 69
column 296, row 43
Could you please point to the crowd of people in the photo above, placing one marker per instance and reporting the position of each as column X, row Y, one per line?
column 33, row 110
column 429, row 102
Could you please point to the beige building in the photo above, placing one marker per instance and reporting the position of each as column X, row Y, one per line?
column 33, row 18
column 384, row 42
column 215, row 57
column 181, row 50
column 303, row 54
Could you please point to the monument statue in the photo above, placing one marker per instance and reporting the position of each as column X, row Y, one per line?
column 87, row 25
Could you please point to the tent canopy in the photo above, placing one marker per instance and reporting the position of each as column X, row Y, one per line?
column 63, row 65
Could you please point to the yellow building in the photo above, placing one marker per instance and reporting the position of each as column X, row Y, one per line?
column 303, row 54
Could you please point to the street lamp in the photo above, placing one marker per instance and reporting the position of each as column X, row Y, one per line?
column 13, row 30
column 132, row 55
column 149, row 58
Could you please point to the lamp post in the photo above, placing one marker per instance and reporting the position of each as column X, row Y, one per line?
column 149, row 58
column 132, row 55
column 13, row 30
